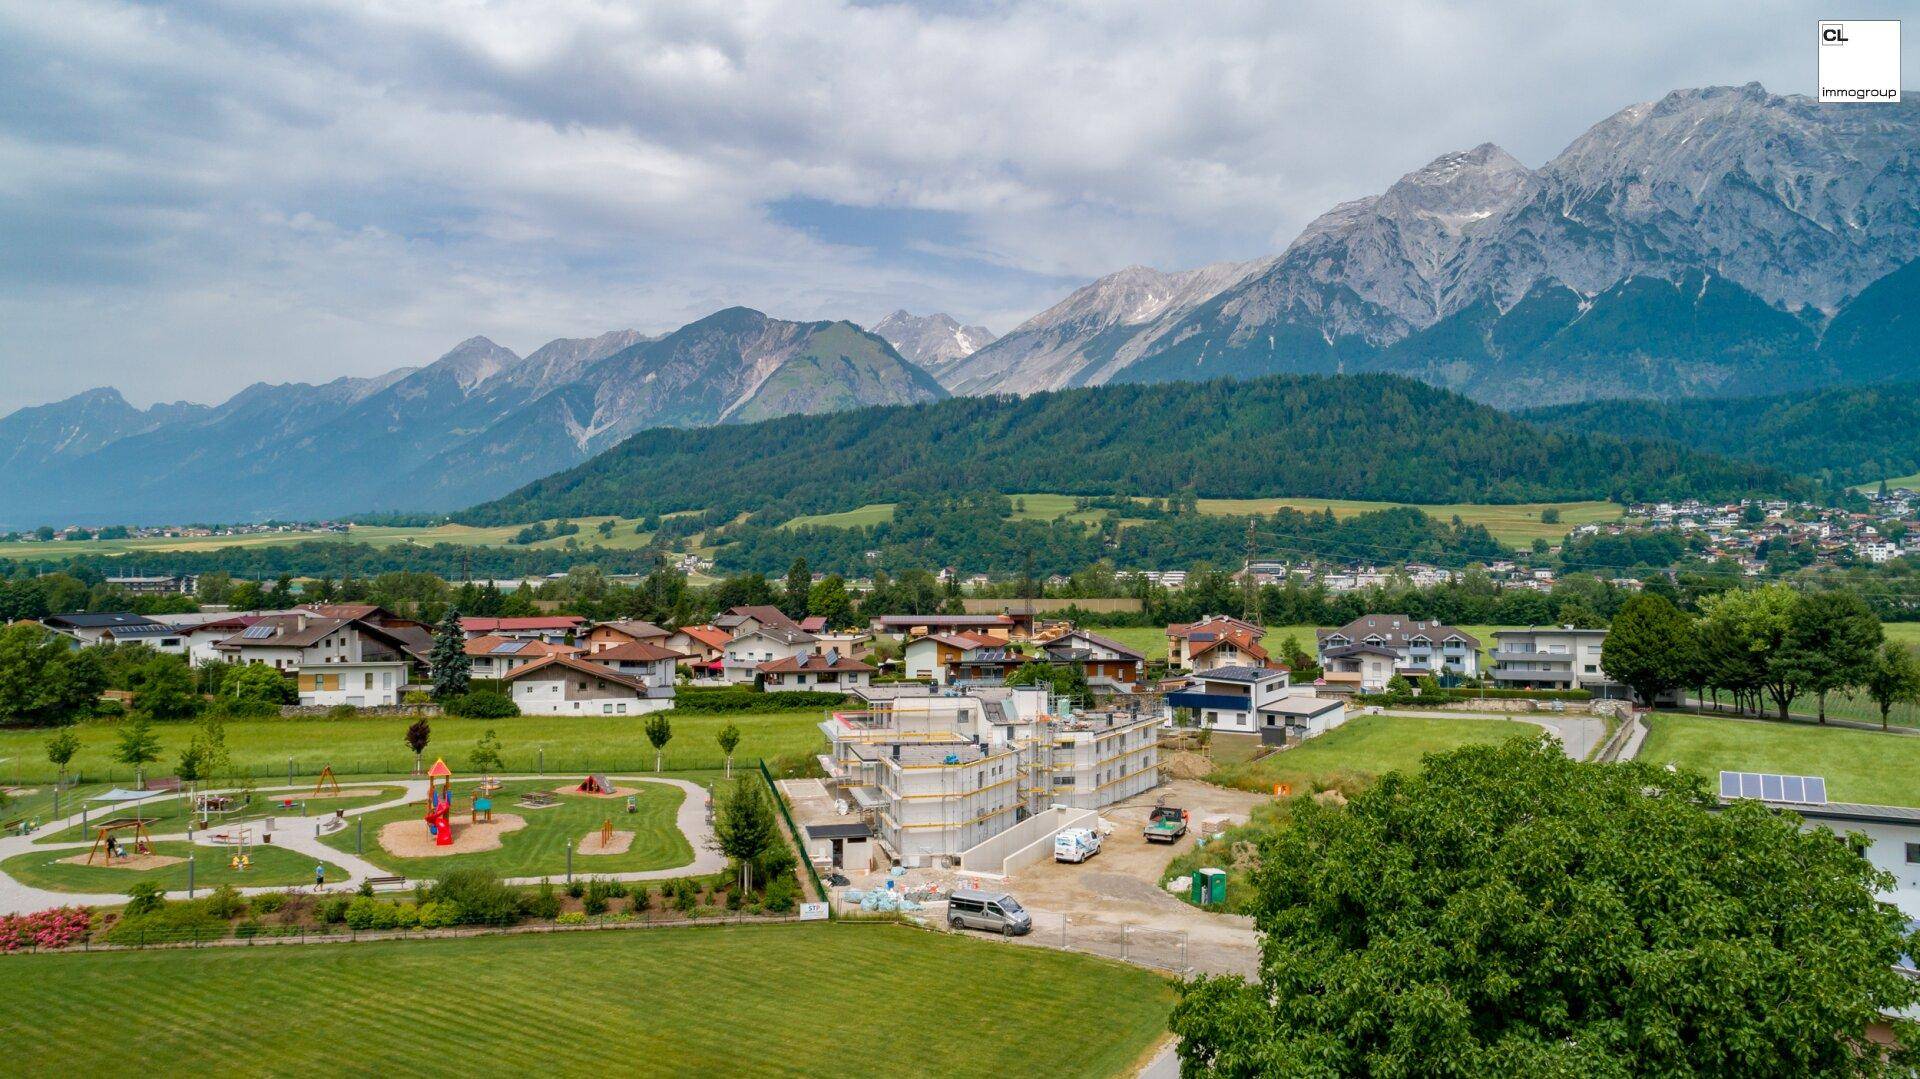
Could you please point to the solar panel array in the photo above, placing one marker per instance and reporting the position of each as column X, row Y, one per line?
column 257, row 633
column 1768, row 787
column 508, row 648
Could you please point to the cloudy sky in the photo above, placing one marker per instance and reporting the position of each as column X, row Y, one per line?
column 196, row 196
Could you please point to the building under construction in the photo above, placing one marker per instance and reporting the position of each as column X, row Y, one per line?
column 935, row 774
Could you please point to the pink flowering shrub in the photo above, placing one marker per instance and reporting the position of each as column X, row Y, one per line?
column 54, row 928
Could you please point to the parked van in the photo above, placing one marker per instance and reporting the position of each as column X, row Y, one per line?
column 994, row 912
column 1076, row 845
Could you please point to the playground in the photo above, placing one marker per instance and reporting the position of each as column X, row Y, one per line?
column 781, row 1015
column 65, row 869
column 172, row 814
column 524, row 828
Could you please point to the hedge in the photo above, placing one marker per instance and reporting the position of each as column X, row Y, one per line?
column 719, row 700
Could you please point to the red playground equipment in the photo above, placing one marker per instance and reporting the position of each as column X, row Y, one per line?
column 440, row 803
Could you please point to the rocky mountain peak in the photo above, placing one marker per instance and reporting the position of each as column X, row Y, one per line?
column 472, row 362
column 935, row 342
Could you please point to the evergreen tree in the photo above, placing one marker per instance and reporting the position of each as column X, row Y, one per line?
column 799, row 586
column 452, row 667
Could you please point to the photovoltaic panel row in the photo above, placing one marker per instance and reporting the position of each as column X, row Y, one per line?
column 1771, row 787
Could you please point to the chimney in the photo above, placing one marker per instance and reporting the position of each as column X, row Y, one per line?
column 300, row 622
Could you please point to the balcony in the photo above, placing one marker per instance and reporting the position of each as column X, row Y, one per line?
column 1558, row 675
column 1219, row 702
column 1521, row 652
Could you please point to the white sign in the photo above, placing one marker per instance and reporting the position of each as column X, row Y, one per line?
column 1859, row 60
column 813, row 912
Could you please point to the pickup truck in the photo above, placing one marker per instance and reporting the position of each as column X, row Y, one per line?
column 1166, row 824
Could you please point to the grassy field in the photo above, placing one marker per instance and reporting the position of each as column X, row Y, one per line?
column 623, row 536
column 541, row 846
column 375, row 746
column 1859, row 766
column 1911, row 483
column 823, row 999
column 171, row 814
column 872, row 513
column 1364, row 749
column 271, row 867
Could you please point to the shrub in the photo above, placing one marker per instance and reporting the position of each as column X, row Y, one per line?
column 719, row 700
column 109, row 708
column 334, row 910
column 483, row 704
column 437, row 916
column 173, row 922
column 782, row 895
column 342, row 711
column 267, row 904
column 572, row 917
column 576, row 889
column 366, row 889
column 543, row 904
column 362, row 913
column 248, row 929
column 595, row 900
column 226, row 903
column 478, row 897
column 144, row 898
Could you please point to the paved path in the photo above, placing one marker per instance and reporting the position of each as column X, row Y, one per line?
column 18, row 898
column 1579, row 734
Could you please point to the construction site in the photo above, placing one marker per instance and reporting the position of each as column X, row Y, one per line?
column 941, row 778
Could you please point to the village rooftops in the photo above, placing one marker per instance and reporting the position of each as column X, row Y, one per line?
column 815, row 662
column 557, row 663
column 517, row 647
column 557, row 622
column 1396, row 631
column 1250, row 675
column 1214, row 624
column 634, row 628
column 765, row 614
column 122, row 623
column 635, row 652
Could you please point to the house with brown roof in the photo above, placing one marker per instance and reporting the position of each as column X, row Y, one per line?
column 1111, row 667
column 605, row 635
column 561, row 685
column 703, row 646
column 762, row 643
column 746, row 618
column 909, row 626
column 1225, row 640
column 641, row 661
column 552, row 628
column 494, row 656
column 960, row 658
column 821, row 672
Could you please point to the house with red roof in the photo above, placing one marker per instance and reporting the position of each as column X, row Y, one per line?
column 494, row 656
column 552, row 628
column 821, row 672
column 562, row 685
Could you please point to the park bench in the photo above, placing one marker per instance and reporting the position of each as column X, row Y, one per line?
column 377, row 883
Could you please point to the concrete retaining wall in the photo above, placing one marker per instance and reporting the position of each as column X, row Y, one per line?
column 1025, row 843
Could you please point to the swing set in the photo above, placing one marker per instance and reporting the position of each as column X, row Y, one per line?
column 107, row 845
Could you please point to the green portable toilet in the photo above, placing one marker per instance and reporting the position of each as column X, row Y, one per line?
column 1209, row 886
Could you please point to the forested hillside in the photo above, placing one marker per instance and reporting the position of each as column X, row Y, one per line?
column 1364, row 436
column 1847, row 434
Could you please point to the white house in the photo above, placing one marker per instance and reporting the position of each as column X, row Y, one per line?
column 644, row 662
column 493, row 656
column 568, row 686
column 117, row 627
column 1892, row 832
column 827, row 672
column 1294, row 719
column 337, row 660
column 760, row 644
column 1232, row 698
column 1378, row 646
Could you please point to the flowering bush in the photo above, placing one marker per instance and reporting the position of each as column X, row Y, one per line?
column 54, row 928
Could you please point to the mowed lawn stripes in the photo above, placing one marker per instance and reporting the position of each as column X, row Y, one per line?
column 822, row 999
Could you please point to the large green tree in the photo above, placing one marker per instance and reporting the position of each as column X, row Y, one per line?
column 1747, row 631
column 1650, row 647
column 44, row 679
column 799, row 587
column 1831, row 642
column 1508, row 911
column 163, row 688
column 1894, row 678
column 452, row 667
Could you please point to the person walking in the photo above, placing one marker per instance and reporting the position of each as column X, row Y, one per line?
column 319, row 876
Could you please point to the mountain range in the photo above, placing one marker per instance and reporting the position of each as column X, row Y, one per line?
column 478, row 421
column 1717, row 242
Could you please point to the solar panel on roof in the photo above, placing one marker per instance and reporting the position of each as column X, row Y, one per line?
column 508, row 648
column 1795, row 788
column 1772, row 787
column 1729, row 784
column 1749, row 784
column 257, row 633
column 1816, row 791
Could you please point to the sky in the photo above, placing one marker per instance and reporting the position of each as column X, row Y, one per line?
column 198, row 196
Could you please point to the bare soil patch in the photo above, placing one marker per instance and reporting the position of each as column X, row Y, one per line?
column 572, row 790
column 136, row 862
column 410, row 838
column 618, row 843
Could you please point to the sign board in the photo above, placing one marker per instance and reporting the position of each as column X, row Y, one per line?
column 813, row 912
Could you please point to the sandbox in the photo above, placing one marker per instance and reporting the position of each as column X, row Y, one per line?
column 572, row 789
column 137, row 862
column 617, row 843
column 410, row 838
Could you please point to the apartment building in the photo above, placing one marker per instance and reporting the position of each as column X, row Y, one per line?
column 1378, row 646
column 936, row 775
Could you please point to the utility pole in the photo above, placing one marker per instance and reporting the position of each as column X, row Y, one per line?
column 1248, row 594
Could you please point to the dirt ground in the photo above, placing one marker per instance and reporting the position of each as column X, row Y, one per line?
column 137, row 861
column 618, row 843
column 410, row 838
column 572, row 790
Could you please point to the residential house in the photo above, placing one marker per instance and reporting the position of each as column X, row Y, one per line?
column 959, row 659
column 642, row 661
column 202, row 639
column 745, row 619
column 1297, row 717
column 1225, row 640
column 1892, row 833
column 762, row 643
column 117, row 627
column 605, row 635
column 1237, row 699
column 561, row 685
column 493, row 656
column 181, row 585
column 1111, row 667
column 1378, row 646
column 1555, row 657
column 703, row 646
column 827, row 671
column 553, row 628
column 335, row 660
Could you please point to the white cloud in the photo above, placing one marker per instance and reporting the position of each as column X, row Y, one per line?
column 198, row 195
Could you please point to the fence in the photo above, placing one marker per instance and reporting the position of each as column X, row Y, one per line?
column 1160, row 949
column 22, row 771
column 799, row 837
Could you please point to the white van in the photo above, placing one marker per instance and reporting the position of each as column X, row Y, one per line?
column 1076, row 845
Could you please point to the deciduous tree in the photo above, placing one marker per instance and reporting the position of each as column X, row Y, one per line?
column 659, row 732
column 1894, row 678
column 1650, row 647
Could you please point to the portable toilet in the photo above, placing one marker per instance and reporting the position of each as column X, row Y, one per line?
column 1209, row 886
